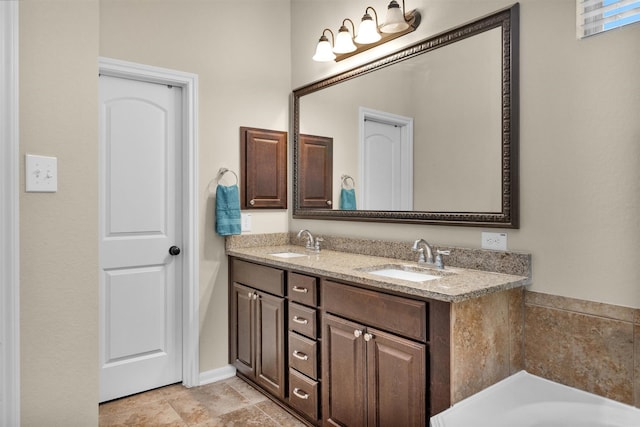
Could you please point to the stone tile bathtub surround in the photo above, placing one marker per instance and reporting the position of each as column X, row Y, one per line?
column 487, row 341
column 587, row 345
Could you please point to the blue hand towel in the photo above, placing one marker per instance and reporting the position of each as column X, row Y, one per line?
column 228, row 210
column 348, row 199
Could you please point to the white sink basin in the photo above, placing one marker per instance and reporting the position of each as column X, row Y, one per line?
column 403, row 272
column 287, row 254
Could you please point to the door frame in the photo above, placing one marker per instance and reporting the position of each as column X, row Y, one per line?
column 406, row 130
column 190, row 292
column 9, row 217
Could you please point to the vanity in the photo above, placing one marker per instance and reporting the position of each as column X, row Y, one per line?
column 336, row 343
column 360, row 333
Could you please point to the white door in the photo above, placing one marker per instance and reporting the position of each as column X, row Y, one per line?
column 140, row 220
column 387, row 171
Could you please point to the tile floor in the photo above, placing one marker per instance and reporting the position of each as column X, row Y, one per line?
column 231, row 402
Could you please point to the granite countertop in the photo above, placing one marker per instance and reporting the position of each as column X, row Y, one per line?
column 455, row 285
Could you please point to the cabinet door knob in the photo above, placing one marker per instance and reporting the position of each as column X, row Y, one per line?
column 368, row 337
column 329, row 202
column 357, row 333
column 301, row 394
column 255, row 296
column 250, row 295
column 300, row 355
column 252, row 202
column 300, row 320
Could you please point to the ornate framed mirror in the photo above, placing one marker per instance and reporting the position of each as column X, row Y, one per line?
column 428, row 134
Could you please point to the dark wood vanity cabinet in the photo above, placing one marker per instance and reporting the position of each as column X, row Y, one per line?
column 257, row 311
column 372, row 377
column 337, row 354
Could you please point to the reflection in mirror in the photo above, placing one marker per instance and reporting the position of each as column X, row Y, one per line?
column 429, row 133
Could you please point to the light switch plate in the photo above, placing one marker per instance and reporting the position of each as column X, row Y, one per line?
column 41, row 174
column 495, row 241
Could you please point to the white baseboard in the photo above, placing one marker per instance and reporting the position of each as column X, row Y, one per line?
column 217, row 374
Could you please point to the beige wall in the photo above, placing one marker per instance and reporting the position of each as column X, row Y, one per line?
column 244, row 80
column 579, row 151
column 59, row 231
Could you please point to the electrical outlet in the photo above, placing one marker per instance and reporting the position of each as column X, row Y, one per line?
column 495, row 241
column 246, row 221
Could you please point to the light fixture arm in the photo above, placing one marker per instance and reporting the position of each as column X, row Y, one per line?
column 353, row 26
column 374, row 14
column 404, row 12
column 333, row 40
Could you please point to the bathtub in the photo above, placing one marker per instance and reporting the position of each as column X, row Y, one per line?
column 525, row 400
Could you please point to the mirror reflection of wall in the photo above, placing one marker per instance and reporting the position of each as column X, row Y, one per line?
column 454, row 95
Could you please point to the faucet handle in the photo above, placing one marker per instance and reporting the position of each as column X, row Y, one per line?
column 317, row 244
column 439, row 260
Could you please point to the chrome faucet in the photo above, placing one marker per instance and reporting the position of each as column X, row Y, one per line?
column 311, row 244
column 421, row 258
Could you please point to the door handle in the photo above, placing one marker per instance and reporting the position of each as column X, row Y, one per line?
column 174, row 250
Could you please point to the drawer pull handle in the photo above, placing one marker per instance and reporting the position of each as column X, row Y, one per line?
column 299, row 289
column 300, row 320
column 301, row 394
column 299, row 355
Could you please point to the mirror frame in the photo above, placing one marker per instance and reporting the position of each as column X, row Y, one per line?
column 508, row 20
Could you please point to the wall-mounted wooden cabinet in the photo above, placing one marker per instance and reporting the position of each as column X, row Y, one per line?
column 316, row 172
column 263, row 158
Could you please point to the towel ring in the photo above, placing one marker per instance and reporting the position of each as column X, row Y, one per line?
column 346, row 177
column 219, row 176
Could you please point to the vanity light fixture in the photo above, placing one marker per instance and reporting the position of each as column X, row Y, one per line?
column 370, row 33
column 368, row 30
column 395, row 21
column 324, row 50
column 344, row 39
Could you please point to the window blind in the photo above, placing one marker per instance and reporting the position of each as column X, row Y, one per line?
column 596, row 16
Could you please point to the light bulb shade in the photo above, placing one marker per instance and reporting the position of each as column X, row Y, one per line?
column 367, row 31
column 324, row 52
column 394, row 22
column 344, row 42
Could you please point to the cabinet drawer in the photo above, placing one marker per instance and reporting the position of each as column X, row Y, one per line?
column 302, row 320
column 303, row 394
column 388, row 312
column 303, row 355
column 257, row 276
column 302, row 289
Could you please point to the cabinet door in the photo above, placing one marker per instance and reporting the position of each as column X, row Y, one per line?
column 343, row 373
column 270, row 355
column 316, row 172
column 396, row 380
column 243, row 324
column 263, row 158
